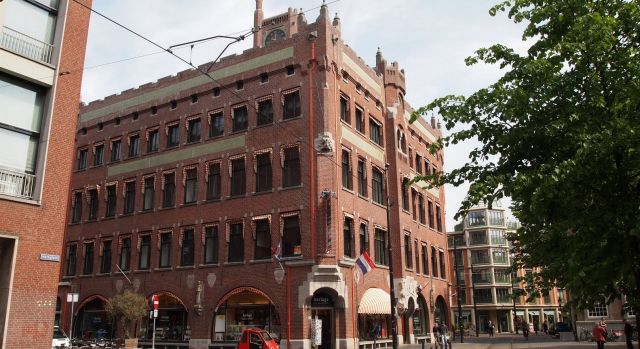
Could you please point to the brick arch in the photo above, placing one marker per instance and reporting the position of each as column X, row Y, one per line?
column 240, row 290
column 168, row 294
column 89, row 299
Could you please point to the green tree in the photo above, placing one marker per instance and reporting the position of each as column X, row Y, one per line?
column 559, row 133
column 127, row 307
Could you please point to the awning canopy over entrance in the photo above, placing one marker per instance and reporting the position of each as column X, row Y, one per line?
column 375, row 301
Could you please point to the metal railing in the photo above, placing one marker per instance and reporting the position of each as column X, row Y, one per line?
column 25, row 45
column 20, row 185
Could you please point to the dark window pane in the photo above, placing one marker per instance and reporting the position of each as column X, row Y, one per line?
column 98, row 155
column 216, row 127
column 153, row 141
column 116, row 148
column 263, row 240
column 263, row 172
column 213, row 182
column 125, row 254
column 111, row 201
column 364, row 238
column 88, row 259
column 377, row 186
column 149, row 193
column 211, row 245
column 76, row 214
column 347, row 174
column 359, row 120
column 165, row 250
column 348, row 237
column 134, row 146
column 129, row 197
column 105, row 261
column 71, row 260
column 291, row 237
column 238, row 177
column 144, row 256
column 291, row 107
column 173, row 135
column 236, row 243
column 375, row 132
column 291, row 169
column 265, row 112
column 93, row 204
column 169, row 190
column 187, row 250
column 194, row 130
column 82, row 159
column 362, row 178
column 191, row 186
column 344, row 110
column 240, row 118
column 380, row 241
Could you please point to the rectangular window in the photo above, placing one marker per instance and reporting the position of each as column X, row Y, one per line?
column 291, row 167
column 291, row 108
column 443, row 274
column 93, row 204
column 236, row 242
column 377, row 186
column 496, row 218
column 116, row 149
column 408, row 256
column 439, row 218
column 240, row 118
column 416, row 253
column 211, row 245
column 502, row 276
column 483, row 295
column 134, row 146
column 500, row 256
column 476, row 218
column 364, row 238
column 348, row 237
column 72, row 251
column 430, row 214
column 105, row 261
column 480, row 257
column 173, row 135
column 82, row 159
column 359, row 120
column 187, row 251
column 87, row 268
column 165, row 251
column 129, row 197
column 421, row 209
column 291, row 237
column 380, row 242
column 497, row 237
column 362, row 178
column 264, row 180
column 148, row 194
column 425, row 259
column 216, row 124
column 265, row 112
column 434, row 262
column 214, row 182
column 144, row 258
column 503, row 295
column 111, row 201
column 263, row 239
column 194, row 130
column 375, row 131
column 404, row 189
column 238, row 177
column 125, row 254
column 345, row 113
column 191, row 186
column 153, row 140
column 169, row 190
column 478, row 238
column 347, row 173
column 414, row 204
column 98, row 154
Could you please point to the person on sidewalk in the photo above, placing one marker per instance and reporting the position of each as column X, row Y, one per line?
column 491, row 328
column 628, row 333
column 525, row 329
column 598, row 333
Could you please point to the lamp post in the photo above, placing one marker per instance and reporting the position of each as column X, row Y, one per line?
column 514, row 276
column 475, row 308
column 455, row 267
column 392, row 293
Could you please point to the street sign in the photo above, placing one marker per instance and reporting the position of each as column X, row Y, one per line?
column 155, row 313
column 72, row 297
column 156, row 303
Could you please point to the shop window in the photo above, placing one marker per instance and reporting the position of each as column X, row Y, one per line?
column 434, row 262
column 87, row 268
column 153, row 141
column 191, row 185
column 169, row 190
column 421, row 216
column 377, row 186
column 347, row 173
column 364, row 238
column 187, row 250
column 238, row 177
column 125, row 254
column 129, row 197
column 344, row 110
column 93, row 204
column 216, row 124
column 214, row 181
column 165, row 250
column 263, row 239
column 232, row 317
column 211, row 245
column 72, row 256
column 98, row 154
column 368, row 322
column 408, row 256
column 264, row 180
column 171, row 324
column 359, row 120
column 173, row 135
column 116, row 150
column 380, row 241
column 291, row 167
column 291, row 237
column 291, row 107
column 348, row 237
column 362, row 178
column 240, row 118
column 148, row 193
column 105, row 260
column 134, row 145
column 375, row 131
column 111, row 200
column 265, row 112
column 144, row 256
column 194, row 130
column 420, row 317
column 82, row 159
column 236, row 242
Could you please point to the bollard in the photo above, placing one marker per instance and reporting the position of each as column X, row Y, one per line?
column 423, row 344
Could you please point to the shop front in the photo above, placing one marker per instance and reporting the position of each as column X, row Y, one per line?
column 92, row 321
column 374, row 318
column 244, row 307
column 171, row 323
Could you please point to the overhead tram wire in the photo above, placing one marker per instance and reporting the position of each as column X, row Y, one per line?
column 302, row 140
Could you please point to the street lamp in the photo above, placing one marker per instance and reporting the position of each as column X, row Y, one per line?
column 475, row 308
column 455, row 267
column 560, row 299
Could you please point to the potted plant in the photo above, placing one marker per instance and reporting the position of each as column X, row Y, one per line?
column 127, row 308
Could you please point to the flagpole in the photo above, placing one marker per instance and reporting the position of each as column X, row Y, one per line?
column 392, row 293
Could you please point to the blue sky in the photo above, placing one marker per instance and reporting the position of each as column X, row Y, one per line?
column 428, row 38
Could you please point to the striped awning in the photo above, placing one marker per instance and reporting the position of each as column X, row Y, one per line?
column 375, row 301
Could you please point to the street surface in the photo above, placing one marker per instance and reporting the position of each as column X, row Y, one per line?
column 512, row 341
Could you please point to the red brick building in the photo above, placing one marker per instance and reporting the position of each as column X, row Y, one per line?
column 189, row 184
column 42, row 45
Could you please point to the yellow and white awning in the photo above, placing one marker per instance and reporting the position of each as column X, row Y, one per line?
column 375, row 301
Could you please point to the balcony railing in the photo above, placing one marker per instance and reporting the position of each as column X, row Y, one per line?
column 16, row 184
column 25, row 45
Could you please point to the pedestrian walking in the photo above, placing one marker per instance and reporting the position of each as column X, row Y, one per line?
column 491, row 328
column 628, row 333
column 545, row 327
column 598, row 333
column 375, row 333
column 525, row 329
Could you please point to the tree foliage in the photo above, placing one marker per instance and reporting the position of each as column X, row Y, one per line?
column 127, row 307
column 559, row 133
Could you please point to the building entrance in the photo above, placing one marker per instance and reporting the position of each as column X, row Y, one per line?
column 322, row 309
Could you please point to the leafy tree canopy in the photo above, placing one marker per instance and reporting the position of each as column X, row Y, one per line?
column 127, row 307
column 559, row 133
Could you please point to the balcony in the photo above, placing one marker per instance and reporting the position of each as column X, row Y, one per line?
column 16, row 184
column 25, row 45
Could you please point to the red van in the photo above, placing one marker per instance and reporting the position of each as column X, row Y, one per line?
column 255, row 338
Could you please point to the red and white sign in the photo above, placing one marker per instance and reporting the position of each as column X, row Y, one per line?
column 156, row 302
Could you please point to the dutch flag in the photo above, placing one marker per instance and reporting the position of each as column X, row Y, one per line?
column 365, row 263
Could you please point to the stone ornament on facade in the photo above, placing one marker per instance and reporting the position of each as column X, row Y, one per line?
column 198, row 304
column 325, row 144
column 211, row 279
